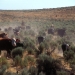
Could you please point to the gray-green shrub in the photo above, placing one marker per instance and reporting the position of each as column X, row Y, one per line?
column 17, row 51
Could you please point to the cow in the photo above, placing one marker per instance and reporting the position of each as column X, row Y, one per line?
column 2, row 35
column 65, row 47
column 40, row 39
column 18, row 43
column 8, row 45
column 50, row 31
column 61, row 32
column 28, row 27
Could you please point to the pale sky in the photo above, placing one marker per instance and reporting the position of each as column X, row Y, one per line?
column 34, row 4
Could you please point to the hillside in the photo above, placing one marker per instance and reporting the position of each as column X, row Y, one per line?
column 40, row 20
column 66, row 13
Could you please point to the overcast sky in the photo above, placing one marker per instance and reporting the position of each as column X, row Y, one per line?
column 34, row 4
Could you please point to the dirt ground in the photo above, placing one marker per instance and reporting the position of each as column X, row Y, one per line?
column 56, row 55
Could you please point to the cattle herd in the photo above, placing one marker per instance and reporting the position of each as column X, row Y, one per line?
column 59, row 31
column 8, row 43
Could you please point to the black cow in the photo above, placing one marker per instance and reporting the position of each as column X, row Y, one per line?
column 65, row 47
column 8, row 45
column 40, row 39
column 18, row 44
column 50, row 31
column 28, row 27
column 61, row 32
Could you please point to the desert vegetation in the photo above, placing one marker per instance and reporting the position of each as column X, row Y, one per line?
column 39, row 58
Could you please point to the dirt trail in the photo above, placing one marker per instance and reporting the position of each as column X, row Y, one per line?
column 59, row 55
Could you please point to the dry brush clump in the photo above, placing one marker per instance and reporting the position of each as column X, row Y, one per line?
column 17, row 51
column 47, row 64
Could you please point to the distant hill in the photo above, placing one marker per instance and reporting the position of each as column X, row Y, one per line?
column 64, row 13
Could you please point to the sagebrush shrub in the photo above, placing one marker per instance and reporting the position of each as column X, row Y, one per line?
column 17, row 51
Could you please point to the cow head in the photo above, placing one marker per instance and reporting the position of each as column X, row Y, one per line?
column 14, row 42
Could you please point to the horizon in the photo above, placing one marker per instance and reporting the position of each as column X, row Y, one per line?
column 37, row 9
column 34, row 5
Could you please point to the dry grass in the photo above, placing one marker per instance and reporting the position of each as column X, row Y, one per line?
column 56, row 55
column 14, row 69
column 67, row 13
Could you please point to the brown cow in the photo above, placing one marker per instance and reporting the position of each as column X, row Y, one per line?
column 8, row 45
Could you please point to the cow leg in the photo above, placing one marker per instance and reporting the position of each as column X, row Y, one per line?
column 0, row 53
column 9, row 53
